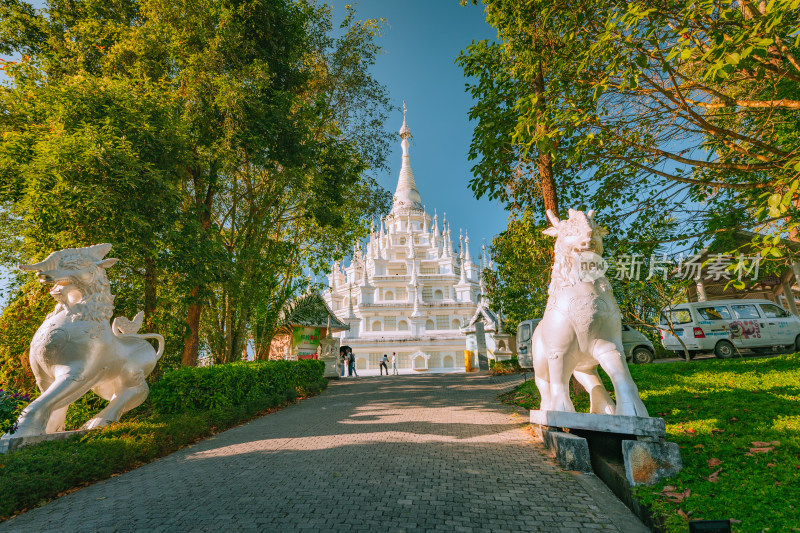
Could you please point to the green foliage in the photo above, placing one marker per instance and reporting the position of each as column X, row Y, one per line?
column 721, row 411
column 222, row 386
column 11, row 405
column 18, row 323
column 33, row 475
column 83, row 410
column 498, row 368
column 523, row 259
column 189, row 404
column 676, row 120
column 223, row 148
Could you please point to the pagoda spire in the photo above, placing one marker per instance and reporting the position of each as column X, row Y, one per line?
column 406, row 196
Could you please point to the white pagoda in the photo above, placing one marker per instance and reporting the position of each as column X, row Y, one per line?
column 410, row 292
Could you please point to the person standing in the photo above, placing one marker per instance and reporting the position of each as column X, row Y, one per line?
column 343, row 361
column 351, row 364
column 394, row 364
column 383, row 364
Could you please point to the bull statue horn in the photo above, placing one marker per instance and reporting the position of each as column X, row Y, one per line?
column 552, row 217
column 99, row 251
column 35, row 267
column 590, row 214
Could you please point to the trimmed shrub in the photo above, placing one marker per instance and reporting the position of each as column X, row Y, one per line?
column 11, row 405
column 232, row 384
column 34, row 474
column 508, row 366
column 184, row 406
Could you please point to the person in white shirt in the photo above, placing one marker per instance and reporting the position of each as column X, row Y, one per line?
column 394, row 364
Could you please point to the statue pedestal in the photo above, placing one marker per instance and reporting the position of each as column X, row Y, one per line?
column 638, row 443
column 11, row 443
column 331, row 366
column 328, row 351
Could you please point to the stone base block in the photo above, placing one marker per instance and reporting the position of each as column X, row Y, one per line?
column 12, row 443
column 647, row 462
column 571, row 451
column 624, row 425
column 331, row 369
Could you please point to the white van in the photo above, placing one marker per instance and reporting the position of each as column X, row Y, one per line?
column 722, row 326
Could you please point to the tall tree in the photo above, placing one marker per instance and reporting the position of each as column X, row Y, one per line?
column 222, row 143
column 670, row 107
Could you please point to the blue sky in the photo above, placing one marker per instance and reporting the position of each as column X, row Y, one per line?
column 421, row 41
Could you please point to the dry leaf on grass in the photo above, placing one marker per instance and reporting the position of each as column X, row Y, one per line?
column 770, row 465
column 714, row 462
column 714, row 477
column 760, row 443
column 670, row 488
column 676, row 497
column 682, row 514
column 762, row 450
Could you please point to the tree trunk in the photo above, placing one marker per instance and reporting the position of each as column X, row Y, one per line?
column 263, row 354
column 228, row 330
column 191, row 346
column 239, row 345
column 150, row 292
column 545, row 159
column 545, row 164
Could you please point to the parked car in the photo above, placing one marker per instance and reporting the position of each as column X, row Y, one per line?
column 524, row 336
column 638, row 348
column 723, row 326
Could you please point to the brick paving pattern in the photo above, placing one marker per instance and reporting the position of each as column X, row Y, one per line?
column 394, row 454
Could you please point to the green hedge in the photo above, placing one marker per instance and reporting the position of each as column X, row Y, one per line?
column 184, row 406
column 221, row 386
column 508, row 366
column 32, row 475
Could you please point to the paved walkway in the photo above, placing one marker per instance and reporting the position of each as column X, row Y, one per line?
column 393, row 454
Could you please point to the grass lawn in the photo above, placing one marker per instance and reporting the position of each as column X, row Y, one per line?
column 737, row 423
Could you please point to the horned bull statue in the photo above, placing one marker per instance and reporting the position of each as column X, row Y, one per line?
column 75, row 350
column 581, row 327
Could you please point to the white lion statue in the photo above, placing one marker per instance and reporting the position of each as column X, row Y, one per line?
column 75, row 350
column 581, row 327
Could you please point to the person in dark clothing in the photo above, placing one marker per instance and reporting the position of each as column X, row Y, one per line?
column 351, row 364
column 383, row 364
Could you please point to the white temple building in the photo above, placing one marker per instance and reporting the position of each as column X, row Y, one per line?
column 411, row 291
